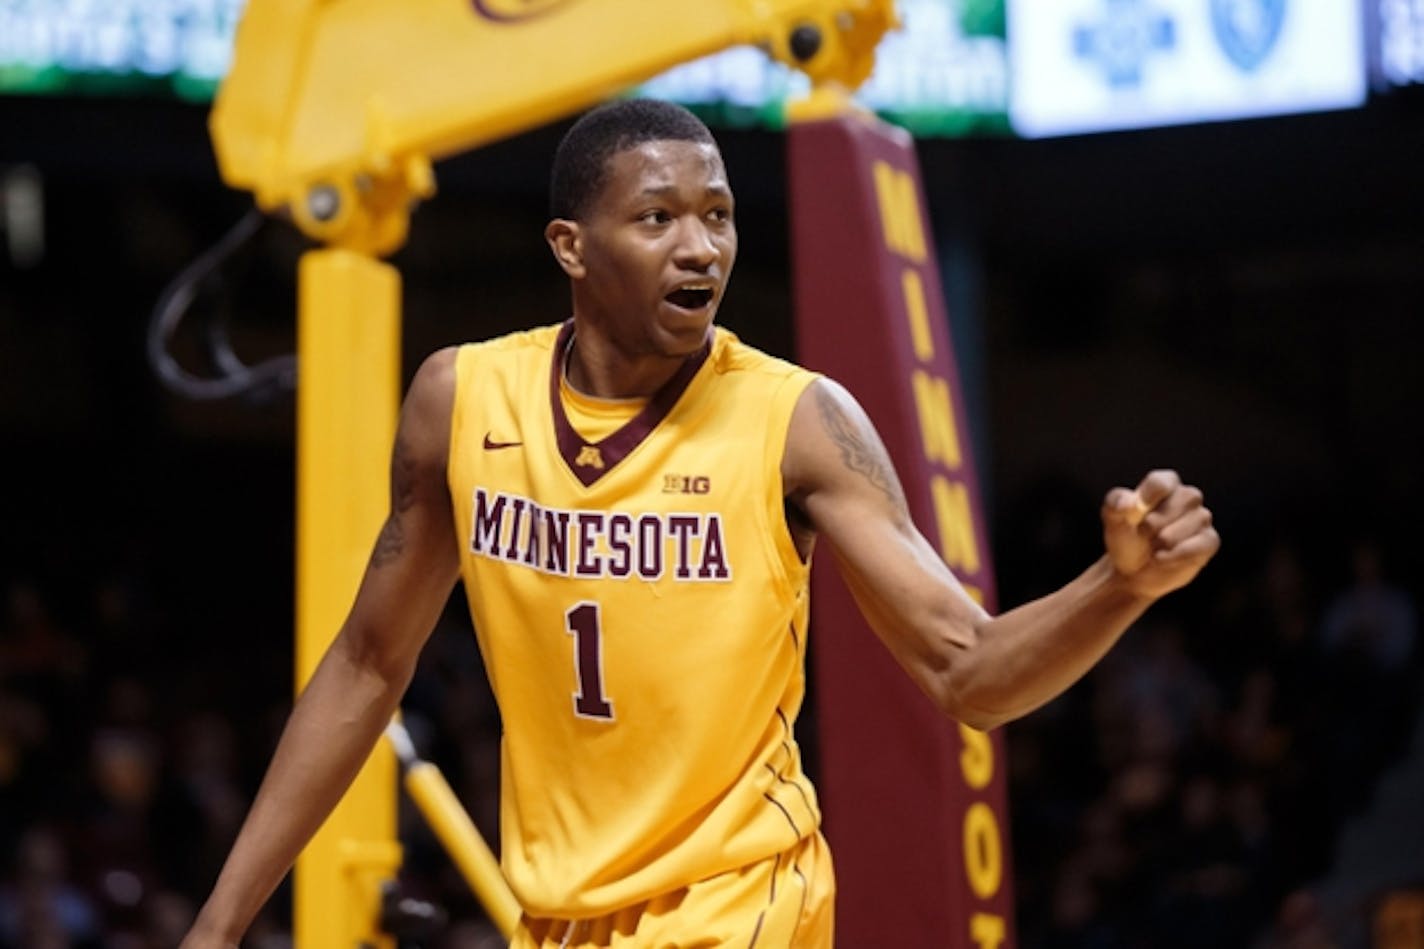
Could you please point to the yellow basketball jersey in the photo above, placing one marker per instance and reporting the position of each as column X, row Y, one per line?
column 642, row 613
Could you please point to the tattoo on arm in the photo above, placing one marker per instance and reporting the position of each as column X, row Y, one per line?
column 391, row 543
column 862, row 455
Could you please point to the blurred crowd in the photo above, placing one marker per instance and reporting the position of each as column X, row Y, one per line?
column 1193, row 790
column 1188, row 793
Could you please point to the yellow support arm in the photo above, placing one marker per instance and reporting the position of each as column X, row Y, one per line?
column 334, row 109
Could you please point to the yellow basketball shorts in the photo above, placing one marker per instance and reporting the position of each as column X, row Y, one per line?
column 782, row 902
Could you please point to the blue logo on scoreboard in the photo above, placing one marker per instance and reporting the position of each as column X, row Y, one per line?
column 1123, row 39
column 1247, row 30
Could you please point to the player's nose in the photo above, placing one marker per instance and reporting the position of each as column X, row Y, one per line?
column 695, row 249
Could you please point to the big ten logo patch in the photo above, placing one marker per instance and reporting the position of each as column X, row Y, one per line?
column 686, row 484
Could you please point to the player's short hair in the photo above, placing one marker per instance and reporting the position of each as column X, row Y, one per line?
column 581, row 160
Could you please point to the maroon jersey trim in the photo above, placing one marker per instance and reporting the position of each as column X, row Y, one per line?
column 608, row 452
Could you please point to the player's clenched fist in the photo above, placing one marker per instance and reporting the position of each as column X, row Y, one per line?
column 1158, row 535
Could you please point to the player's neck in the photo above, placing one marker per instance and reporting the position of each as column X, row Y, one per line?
column 594, row 366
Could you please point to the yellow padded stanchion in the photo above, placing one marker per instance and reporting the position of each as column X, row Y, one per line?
column 348, row 394
column 452, row 825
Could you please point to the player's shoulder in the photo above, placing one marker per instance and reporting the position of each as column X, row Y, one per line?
column 539, row 339
column 731, row 355
column 828, row 425
column 435, row 378
column 516, row 352
column 441, row 372
column 425, row 414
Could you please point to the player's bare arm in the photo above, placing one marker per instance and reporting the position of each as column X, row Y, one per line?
column 360, row 680
column 980, row 669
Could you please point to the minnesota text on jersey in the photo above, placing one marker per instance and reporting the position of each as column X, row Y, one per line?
column 614, row 544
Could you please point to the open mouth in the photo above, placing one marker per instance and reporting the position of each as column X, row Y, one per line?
column 690, row 298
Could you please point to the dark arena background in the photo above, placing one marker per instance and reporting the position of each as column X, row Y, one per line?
column 1238, row 300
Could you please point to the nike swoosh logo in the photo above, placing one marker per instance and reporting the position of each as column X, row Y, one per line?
column 492, row 445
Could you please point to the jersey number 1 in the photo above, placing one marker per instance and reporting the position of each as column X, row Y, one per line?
column 585, row 625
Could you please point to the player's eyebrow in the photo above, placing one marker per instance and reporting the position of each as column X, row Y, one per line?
column 662, row 191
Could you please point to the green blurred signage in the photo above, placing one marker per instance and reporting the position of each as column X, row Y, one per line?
column 944, row 73
column 116, row 47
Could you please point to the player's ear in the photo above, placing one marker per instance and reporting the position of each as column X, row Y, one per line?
column 566, row 241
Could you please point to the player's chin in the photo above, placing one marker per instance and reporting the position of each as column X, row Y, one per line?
column 682, row 330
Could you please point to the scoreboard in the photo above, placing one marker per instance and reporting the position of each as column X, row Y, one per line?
column 1396, row 29
column 1095, row 65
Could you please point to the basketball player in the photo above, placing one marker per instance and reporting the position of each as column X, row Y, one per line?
column 635, row 496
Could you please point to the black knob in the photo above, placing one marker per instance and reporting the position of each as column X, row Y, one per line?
column 805, row 41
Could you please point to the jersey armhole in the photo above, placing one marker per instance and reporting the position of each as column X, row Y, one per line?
column 778, row 424
column 464, row 357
